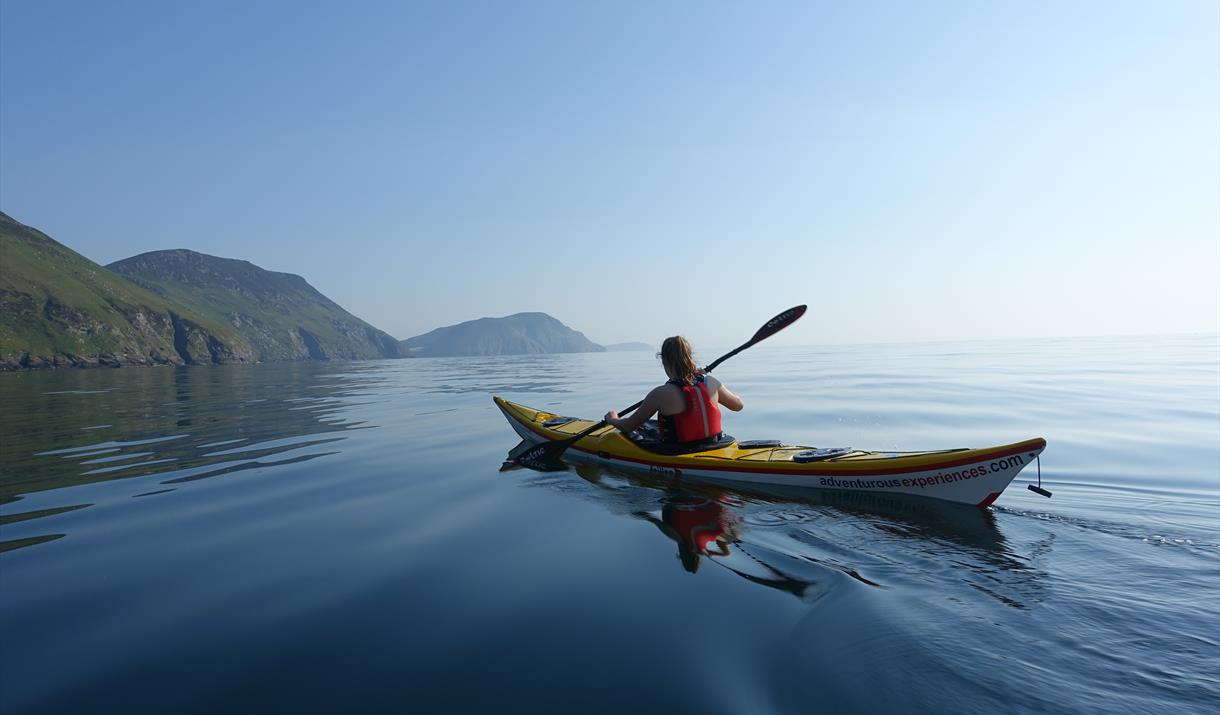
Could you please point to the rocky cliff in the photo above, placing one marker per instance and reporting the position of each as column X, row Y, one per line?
column 281, row 315
column 59, row 309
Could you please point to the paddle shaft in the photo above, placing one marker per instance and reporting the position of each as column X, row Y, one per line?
column 554, row 449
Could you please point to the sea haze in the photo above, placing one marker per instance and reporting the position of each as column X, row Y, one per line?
column 314, row 537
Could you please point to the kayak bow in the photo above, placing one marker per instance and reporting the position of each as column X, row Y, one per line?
column 964, row 476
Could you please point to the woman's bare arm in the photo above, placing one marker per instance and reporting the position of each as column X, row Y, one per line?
column 724, row 395
column 629, row 424
column 729, row 399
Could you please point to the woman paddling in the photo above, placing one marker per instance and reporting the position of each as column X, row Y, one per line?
column 687, row 405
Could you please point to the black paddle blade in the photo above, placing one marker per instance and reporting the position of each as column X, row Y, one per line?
column 772, row 326
column 778, row 323
column 526, row 456
column 542, row 457
column 543, row 463
column 544, row 466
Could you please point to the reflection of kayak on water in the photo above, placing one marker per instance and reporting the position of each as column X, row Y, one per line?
column 702, row 525
column 737, row 528
column 965, row 476
column 699, row 525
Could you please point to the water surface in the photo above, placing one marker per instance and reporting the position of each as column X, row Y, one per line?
column 324, row 536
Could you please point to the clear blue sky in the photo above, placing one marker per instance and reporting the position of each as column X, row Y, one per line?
column 911, row 170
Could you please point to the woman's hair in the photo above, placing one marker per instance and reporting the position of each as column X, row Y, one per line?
column 675, row 352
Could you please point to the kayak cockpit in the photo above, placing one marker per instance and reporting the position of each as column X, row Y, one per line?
column 648, row 438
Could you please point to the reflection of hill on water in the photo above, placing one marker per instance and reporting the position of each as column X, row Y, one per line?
column 190, row 423
column 802, row 542
column 549, row 373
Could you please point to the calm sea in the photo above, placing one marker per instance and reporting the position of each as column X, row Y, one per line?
column 337, row 537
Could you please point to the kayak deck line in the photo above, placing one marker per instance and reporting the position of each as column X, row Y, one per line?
column 970, row 476
column 816, row 472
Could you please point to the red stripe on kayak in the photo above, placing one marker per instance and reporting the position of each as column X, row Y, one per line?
column 990, row 498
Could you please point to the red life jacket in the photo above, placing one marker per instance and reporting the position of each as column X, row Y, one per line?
column 699, row 421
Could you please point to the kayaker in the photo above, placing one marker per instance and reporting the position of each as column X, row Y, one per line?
column 687, row 405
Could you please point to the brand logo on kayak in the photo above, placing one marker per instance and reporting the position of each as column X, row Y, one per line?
column 667, row 471
column 940, row 478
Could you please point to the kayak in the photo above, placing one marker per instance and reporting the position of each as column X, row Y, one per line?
column 964, row 476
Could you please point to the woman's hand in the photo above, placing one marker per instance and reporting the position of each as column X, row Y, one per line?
column 611, row 418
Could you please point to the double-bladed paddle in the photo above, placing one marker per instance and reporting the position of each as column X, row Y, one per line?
column 547, row 453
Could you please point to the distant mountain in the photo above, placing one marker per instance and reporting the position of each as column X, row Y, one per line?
column 59, row 309
column 520, row 334
column 281, row 315
column 623, row 347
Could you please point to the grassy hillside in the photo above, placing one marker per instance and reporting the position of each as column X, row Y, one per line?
column 281, row 315
column 58, row 308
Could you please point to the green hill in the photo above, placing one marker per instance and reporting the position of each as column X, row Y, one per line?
column 520, row 334
column 281, row 315
column 59, row 309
